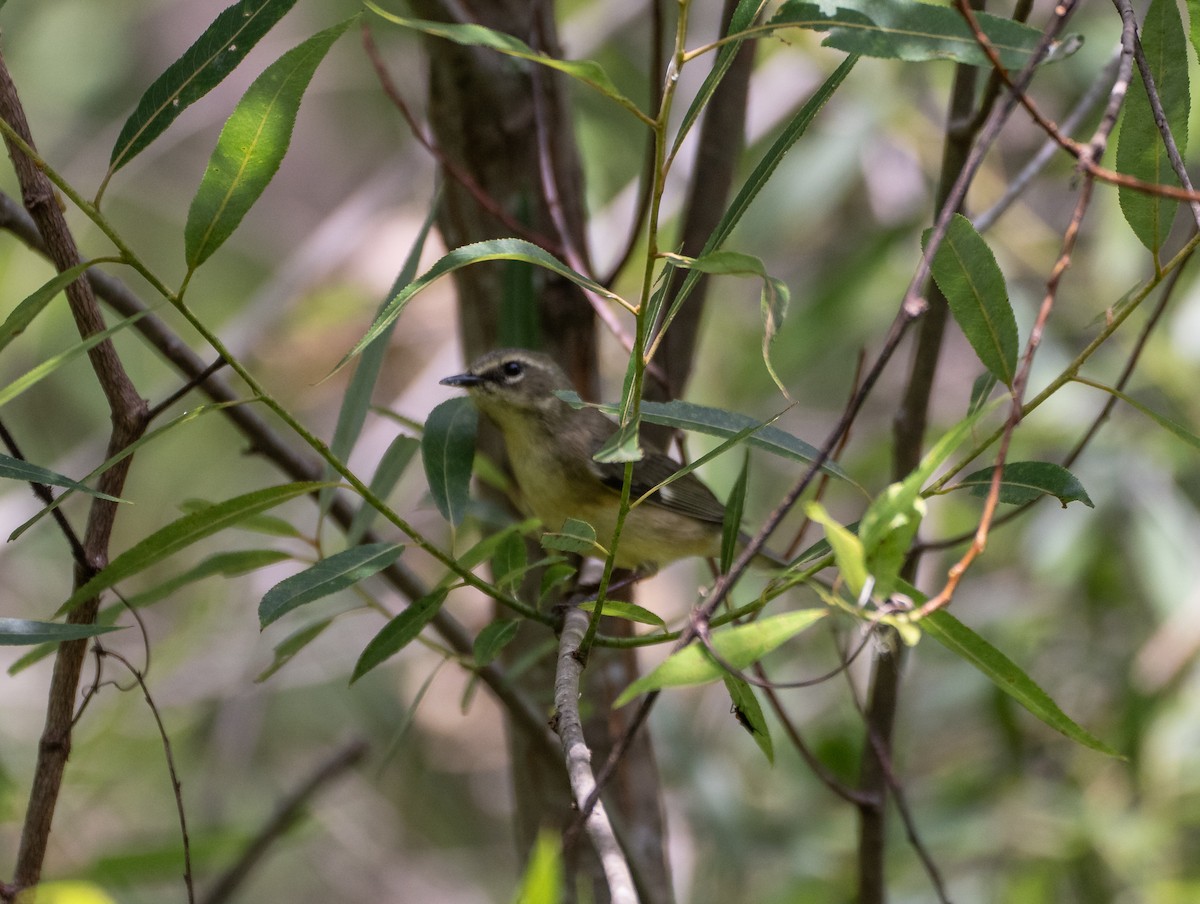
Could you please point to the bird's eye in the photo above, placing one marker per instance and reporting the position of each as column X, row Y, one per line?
column 512, row 369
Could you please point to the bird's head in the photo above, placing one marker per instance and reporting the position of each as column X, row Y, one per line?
column 513, row 382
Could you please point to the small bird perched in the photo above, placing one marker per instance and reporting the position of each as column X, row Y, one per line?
column 550, row 447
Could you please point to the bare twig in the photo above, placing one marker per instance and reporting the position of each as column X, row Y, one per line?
column 579, row 758
column 1160, row 116
column 176, row 785
column 288, row 810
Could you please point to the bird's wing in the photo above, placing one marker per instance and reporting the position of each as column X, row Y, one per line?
column 687, row 495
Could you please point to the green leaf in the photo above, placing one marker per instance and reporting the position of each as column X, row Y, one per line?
column 774, row 299
column 750, row 715
column 628, row 611
column 226, row 564
column 24, row 313
column 183, row 532
column 1173, row 427
column 966, row 271
column 494, row 638
column 18, row 469
column 1025, row 481
column 577, row 537
column 251, row 146
column 543, row 879
column 259, row 524
column 22, row 632
column 399, row 632
column 886, row 530
column 1004, row 673
column 761, row 174
column 492, row 250
column 980, row 390
column 337, row 572
column 731, row 527
column 740, row 647
column 915, row 31
column 509, row 561
column 622, row 446
column 742, row 18
column 202, row 67
column 587, row 72
column 387, row 474
column 47, row 367
column 847, row 548
column 357, row 400
column 448, row 449
column 1141, row 151
column 124, row 453
column 287, row 648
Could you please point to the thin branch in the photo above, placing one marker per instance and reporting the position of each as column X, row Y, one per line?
column 176, row 785
column 1160, row 116
column 460, row 175
column 286, row 814
column 128, row 413
column 578, row 758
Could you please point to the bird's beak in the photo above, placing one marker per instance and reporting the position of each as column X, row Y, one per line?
column 467, row 380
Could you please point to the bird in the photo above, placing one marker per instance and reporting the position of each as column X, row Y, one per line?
column 550, row 446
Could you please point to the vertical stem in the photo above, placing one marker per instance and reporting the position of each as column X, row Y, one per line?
column 908, row 433
column 129, row 414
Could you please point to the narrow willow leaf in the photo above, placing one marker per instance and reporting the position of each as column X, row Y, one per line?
column 1141, row 151
column 286, row 650
column 487, row 546
column 47, row 367
column 399, row 632
column 18, row 469
column 1025, row 481
column 915, row 31
column 226, row 564
column 24, row 313
column 494, row 638
column 622, row 446
column 847, row 548
column 731, row 527
column 742, row 18
column 740, row 647
column 980, row 390
column 628, row 611
column 1005, row 674
column 124, row 453
column 750, row 715
column 887, row 530
column 724, row 424
column 1173, row 427
column 251, row 146
column 757, row 179
column 509, row 562
column 22, row 632
column 967, row 273
column 773, row 301
column 357, row 399
column 447, row 449
column 185, row 531
column 202, row 67
column 331, row 574
column 576, row 536
column 542, row 882
column 492, row 250
column 387, row 474
column 587, row 72
column 259, row 524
